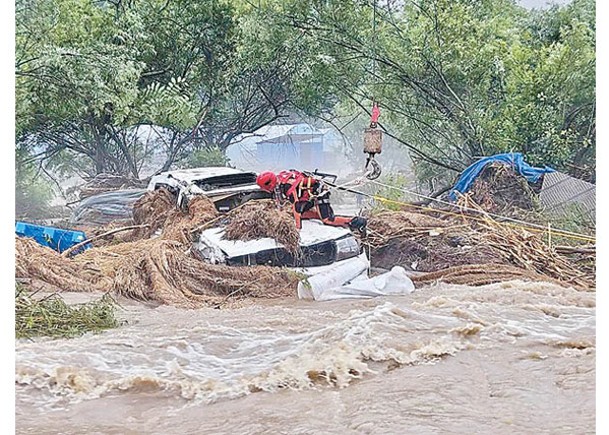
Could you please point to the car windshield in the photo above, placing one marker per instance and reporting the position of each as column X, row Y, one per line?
column 223, row 181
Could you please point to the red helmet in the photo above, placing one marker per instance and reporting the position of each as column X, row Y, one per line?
column 267, row 181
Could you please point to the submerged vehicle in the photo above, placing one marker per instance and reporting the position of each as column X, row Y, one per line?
column 330, row 261
column 320, row 245
column 332, row 254
column 321, row 248
column 226, row 187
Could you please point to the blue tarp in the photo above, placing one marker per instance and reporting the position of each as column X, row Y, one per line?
column 55, row 238
column 516, row 160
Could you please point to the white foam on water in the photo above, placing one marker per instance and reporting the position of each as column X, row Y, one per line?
column 213, row 362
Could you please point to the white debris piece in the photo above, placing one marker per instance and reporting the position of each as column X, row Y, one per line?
column 393, row 283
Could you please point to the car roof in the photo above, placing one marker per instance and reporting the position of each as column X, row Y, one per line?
column 201, row 173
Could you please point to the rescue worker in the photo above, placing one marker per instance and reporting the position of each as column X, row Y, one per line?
column 309, row 197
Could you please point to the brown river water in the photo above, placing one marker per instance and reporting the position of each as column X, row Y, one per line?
column 509, row 358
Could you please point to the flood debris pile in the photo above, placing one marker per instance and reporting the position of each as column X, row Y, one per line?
column 500, row 190
column 584, row 256
column 104, row 235
column 421, row 242
column 158, row 211
column 156, row 269
column 154, row 265
column 184, row 226
column 474, row 250
column 165, row 271
column 42, row 264
column 153, row 209
column 157, row 261
column 263, row 218
column 156, row 215
column 481, row 274
column 527, row 249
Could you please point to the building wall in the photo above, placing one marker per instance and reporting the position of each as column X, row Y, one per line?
column 275, row 156
column 305, row 149
column 278, row 156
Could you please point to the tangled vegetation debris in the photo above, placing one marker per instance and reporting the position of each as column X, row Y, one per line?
column 480, row 274
column 263, row 218
column 156, row 262
column 430, row 244
column 150, row 270
column 500, row 190
column 51, row 316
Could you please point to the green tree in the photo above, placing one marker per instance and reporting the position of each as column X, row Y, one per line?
column 457, row 80
column 207, row 157
column 90, row 75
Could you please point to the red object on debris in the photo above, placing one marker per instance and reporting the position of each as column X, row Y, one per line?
column 376, row 112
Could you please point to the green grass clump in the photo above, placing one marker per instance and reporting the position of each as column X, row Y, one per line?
column 52, row 317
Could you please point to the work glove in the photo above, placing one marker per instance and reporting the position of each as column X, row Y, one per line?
column 359, row 223
column 317, row 187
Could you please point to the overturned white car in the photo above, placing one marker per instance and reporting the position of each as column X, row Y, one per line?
column 226, row 187
column 329, row 258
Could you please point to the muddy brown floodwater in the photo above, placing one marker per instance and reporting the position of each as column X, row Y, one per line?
column 506, row 358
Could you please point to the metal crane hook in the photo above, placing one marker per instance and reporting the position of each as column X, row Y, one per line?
column 376, row 168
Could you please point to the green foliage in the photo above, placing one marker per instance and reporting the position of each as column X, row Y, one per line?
column 394, row 195
column 70, row 64
column 207, row 157
column 460, row 79
column 456, row 79
column 89, row 73
column 52, row 317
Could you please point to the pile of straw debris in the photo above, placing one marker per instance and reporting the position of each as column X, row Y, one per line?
column 263, row 218
column 421, row 242
column 155, row 262
column 481, row 274
column 150, row 270
column 155, row 214
column 457, row 243
column 500, row 190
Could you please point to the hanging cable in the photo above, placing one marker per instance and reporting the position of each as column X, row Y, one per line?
column 373, row 136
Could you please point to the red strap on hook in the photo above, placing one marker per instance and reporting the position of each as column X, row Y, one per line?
column 376, row 112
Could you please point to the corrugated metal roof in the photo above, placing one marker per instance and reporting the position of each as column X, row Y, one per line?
column 248, row 140
column 560, row 191
column 292, row 138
